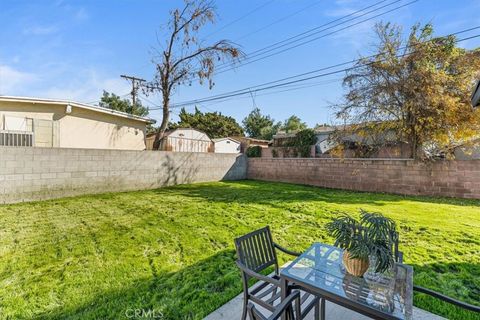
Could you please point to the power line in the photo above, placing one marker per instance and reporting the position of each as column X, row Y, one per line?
column 294, row 88
column 341, row 64
column 239, row 18
column 355, row 60
column 267, row 54
column 227, row 66
column 97, row 101
column 224, row 67
column 248, row 90
column 279, row 20
column 327, row 24
column 308, row 33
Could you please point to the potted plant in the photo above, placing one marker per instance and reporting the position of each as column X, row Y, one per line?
column 371, row 236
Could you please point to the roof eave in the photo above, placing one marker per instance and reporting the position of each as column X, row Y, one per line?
column 76, row 104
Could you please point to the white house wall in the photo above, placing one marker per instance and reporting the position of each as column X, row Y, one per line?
column 227, row 146
column 189, row 134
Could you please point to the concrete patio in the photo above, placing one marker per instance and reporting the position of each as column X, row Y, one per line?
column 232, row 310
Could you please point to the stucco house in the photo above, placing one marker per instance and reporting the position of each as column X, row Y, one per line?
column 352, row 143
column 183, row 140
column 226, row 145
column 35, row 122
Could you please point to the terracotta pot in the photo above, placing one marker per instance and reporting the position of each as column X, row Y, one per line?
column 356, row 267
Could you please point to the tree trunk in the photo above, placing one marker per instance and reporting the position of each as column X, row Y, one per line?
column 164, row 124
column 412, row 135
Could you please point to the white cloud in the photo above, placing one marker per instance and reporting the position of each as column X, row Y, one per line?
column 339, row 12
column 343, row 8
column 13, row 80
column 361, row 36
column 40, row 30
column 81, row 14
column 86, row 88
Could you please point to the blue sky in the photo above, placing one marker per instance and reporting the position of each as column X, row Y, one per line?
column 75, row 49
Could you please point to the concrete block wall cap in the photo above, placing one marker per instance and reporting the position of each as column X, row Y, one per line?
column 334, row 159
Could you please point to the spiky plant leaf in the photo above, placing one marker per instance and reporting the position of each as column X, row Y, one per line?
column 374, row 235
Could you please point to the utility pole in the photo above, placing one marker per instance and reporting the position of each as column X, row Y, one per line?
column 136, row 82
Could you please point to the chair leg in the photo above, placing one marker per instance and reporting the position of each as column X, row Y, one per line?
column 274, row 291
column 245, row 303
column 322, row 309
column 316, row 314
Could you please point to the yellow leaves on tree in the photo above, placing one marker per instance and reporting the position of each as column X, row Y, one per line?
column 420, row 86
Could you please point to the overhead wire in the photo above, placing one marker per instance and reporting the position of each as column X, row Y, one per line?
column 239, row 18
column 225, row 67
column 310, row 32
column 274, row 52
column 249, row 89
column 288, row 16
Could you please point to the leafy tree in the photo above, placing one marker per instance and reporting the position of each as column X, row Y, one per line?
column 293, row 124
column 214, row 124
column 255, row 122
column 114, row 102
column 185, row 57
column 267, row 133
column 418, row 88
column 260, row 126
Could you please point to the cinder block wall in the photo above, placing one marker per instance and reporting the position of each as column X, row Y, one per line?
column 28, row 174
column 442, row 178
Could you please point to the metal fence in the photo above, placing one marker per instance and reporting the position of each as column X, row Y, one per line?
column 13, row 138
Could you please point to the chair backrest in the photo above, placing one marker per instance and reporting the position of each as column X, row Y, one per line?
column 256, row 251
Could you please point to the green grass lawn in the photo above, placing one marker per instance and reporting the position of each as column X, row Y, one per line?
column 171, row 250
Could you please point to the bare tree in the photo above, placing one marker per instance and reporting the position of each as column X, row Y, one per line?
column 185, row 58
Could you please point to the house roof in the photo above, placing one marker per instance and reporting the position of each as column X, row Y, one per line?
column 240, row 138
column 170, row 131
column 226, row 138
column 76, row 105
column 323, row 129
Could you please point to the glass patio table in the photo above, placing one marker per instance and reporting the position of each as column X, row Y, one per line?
column 320, row 271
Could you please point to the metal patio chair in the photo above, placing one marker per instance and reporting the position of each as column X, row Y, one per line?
column 293, row 298
column 256, row 252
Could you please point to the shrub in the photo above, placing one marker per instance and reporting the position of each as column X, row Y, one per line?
column 254, row 152
column 305, row 138
column 300, row 145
